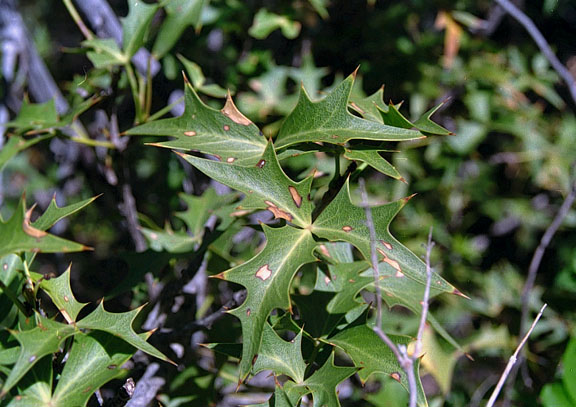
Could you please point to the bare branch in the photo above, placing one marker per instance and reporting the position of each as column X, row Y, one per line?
column 537, row 36
column 426, row 299
column 512, row 360
column 405, row 361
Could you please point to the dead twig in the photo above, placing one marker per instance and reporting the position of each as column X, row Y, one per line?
column 512, row 361
column 406, row 361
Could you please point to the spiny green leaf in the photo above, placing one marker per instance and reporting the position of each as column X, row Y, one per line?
column 267, row 279
column 34, row 116
column 374, row 160
column 61, row 294
column 120, row 325
column 198, row 80
column 323, row 383
column 36, row 343
column 393, row 117
column 94, row 360
column 280, row 356
column 54, row 213
column 329, row 120
column 135, row 25
column 370, row 107
column 265, row 184
column 180, row 15
column 287, row 395
column 372, row 355
column 345, row 281
column 343, row 221
column 226, row 134
column 18, row 235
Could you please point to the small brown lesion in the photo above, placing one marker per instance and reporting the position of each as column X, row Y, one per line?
column 277, row 212
column 261, row 163
column 190, row 133
column 396, row 376
column 347, row 229
column 264, row 272
column 230, row 160
column 296, row 197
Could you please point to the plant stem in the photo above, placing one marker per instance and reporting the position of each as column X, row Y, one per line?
column 78, row 20
column 512, row 360
column 135, row 93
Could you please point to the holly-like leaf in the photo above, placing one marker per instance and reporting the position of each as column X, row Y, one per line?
column 345, row 280
column 370, row 107
column 374, row 160
column 94, row 360
column 323, row 383
column 54, row 213
column 372, row 355
column 106, row 52
column 393, row 117
column 18, row 235
column 198, row 79
column 170, row 241
column 120, row 325
column 135, row 25
column 36, row 343
column 35, row 388
column 180, row 14
column 60, row 292
column 343, row 221
column 265, row 185
column 267, row 279
column 280, row 356
column 288, row 395
column 225, row 134
column 329, row 120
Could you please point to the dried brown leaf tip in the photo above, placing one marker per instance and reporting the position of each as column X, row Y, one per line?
column 28, row 228
column 264, row 273
column 296, row 197
column 277, row 212
column 231, row 111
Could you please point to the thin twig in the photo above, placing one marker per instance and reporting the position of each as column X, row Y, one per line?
column 400, row 352
column 426, row 299
column 512, row 360
column 78, row 20
column 529, row 25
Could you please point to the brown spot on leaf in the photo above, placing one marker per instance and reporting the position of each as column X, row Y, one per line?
column 5, row 267
column 295, row 196
column 111, row 367
column 277, row 212
column 357, row 108
column 254, row 359
column 217, row 157
column 395, row 265
column 347, row 228
column 190, row 133
column 264, row 273
column 231, row 111
column 324, row 250
column 230, row 159
column 28, row 228
column 386, row 244
column 396, row 376
column 261, row 163
column 351, row 280
column 327, row 280
column 248, row 312
column 66, row 299
column 226, row 127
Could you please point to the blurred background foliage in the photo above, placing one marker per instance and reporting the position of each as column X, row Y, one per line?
column 489, row 191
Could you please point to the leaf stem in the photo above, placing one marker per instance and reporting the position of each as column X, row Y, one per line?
column 77, row 19
column 135, row 93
